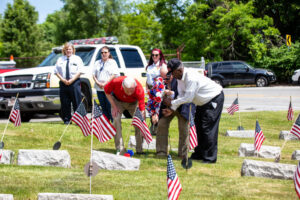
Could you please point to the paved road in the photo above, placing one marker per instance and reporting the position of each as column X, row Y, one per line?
column 250, row 99
column 267, row 98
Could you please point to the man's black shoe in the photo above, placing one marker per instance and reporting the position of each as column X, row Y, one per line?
column 67, row 122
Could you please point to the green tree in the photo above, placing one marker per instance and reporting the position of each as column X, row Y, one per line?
column 20, row 33
column 171, row 14
column 143, row 28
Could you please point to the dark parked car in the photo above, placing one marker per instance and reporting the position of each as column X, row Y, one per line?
column 238, row 72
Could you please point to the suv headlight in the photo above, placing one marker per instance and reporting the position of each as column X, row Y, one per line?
column 270, row 73
column 42, row 80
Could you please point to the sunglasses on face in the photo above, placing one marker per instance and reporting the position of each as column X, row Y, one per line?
column 104, row 52
column 155, row 55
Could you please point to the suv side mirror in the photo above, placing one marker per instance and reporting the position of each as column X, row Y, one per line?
column 247, row 69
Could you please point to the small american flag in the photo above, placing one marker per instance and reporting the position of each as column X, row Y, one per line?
column 290, row 114
column 193, row 134
column 296, row 127
column 138, row 121
column 15, row 115
column 80, row 118
column 174, row 186
column 259, row 137
column 102, row 128
column 234, row 107
column 297, row 180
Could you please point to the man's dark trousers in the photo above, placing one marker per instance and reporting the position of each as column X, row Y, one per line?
column 69, row 94
column 207, row 120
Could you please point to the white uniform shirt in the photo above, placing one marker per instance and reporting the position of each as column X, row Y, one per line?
column 104, row 70
column 75, row 66
column 195, row 88
column 153, row 71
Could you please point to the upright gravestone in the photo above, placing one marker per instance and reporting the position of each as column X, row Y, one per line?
column 296, row 155
column 247, row 150
column 268, row 169
column 240, row 133
column 67, row 196
column 115, row 162
column 7, row 157
column 44, row 158
column 287, row 135
column 6, row 197
column 132, row 143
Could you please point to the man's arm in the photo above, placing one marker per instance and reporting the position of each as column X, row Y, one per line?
column 115, row 109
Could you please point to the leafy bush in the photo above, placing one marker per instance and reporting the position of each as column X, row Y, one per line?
column 283, row 61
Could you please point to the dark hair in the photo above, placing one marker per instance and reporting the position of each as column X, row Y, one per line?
column 106, row 47
column 161, row 59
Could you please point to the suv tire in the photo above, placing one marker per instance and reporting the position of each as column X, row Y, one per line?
column 261, row 81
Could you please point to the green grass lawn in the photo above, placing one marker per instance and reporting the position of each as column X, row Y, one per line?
column 222, row 180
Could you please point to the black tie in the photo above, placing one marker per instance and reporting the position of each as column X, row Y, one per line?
column 67, row 70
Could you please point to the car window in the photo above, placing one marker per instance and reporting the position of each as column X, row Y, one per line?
column 84, row 53
column 113, row 53
column 132, row 58
column 239, row 66
column 225, row 66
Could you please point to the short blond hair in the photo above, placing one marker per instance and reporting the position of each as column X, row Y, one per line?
column 66, row 46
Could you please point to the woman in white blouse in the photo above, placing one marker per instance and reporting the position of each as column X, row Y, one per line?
column 105, row 70
column 156, row 61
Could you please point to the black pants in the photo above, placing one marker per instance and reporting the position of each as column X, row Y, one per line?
column 69, row 94
column 207, row 120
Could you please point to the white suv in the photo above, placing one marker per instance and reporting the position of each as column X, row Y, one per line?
column 38, row 87
column 296, row 77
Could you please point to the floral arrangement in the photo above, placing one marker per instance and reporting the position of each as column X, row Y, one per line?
column 155, row 96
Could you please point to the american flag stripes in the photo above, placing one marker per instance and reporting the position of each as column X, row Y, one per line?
column 259, row 137
column 174, row 186
column 15, row 115
column 296, row 127
column 102, row 128
column 193, row 134
column 138, row 121
column 80, row 118
column 290, row 114
column 297, row 180
column 234, row 107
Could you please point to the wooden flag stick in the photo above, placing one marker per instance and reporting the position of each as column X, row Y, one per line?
column 91, row 159
column 68, row 124
column 4, row 131
column 239, row 111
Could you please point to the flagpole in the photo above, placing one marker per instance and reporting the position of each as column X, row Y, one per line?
column 91, row 159
column 4, row 131
column 68, row 124
column 187, row 152
column 240, row 128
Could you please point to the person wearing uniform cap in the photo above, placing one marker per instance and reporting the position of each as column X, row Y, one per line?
column 68, row 69
column 208, row 97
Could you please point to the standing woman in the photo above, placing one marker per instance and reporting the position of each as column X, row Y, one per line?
column 68, row 69
column 156, row 61
column 104, row 71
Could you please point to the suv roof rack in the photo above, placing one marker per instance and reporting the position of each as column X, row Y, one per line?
column 101, row 40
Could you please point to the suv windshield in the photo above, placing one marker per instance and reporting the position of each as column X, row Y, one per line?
column 84, row 53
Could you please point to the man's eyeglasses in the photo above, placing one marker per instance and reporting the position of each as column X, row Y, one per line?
column 103, row 52
column 155, row 55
